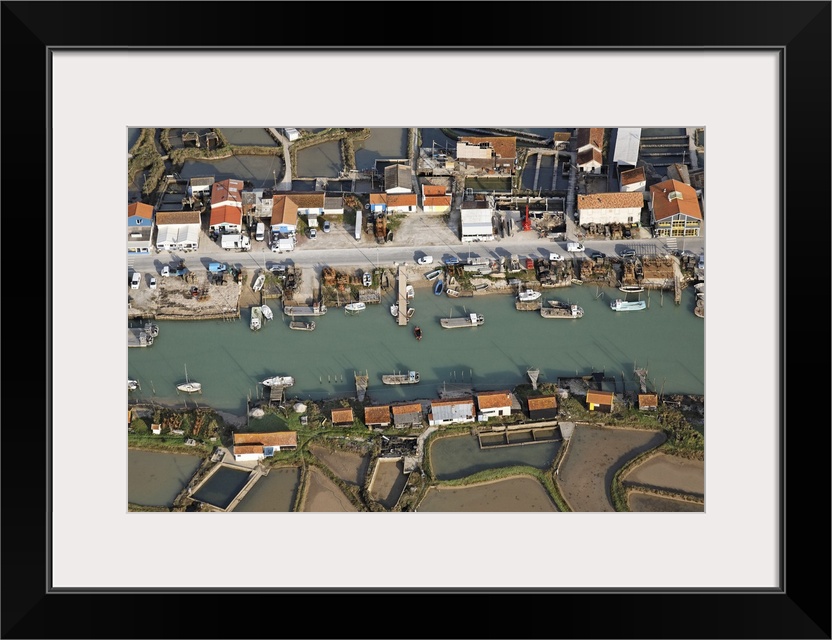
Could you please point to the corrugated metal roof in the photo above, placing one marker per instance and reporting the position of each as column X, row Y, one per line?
column 627, row 143
column 455, row 411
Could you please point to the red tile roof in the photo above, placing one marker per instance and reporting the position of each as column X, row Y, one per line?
column 493, row 399
column 543, row 402
column 593, row 136
column 401, row 200
column 433, row 190
column 226, row 213
column 378, row 198
column 615, row 200
column 401, row 409
column 273, row 439
column 178, row 217
column 599, row 397
column 377, row 415
column 436, row 201
column 633, row 175
column 341, row 416
column 672, row 197
column 140, row 209
column 229, row 189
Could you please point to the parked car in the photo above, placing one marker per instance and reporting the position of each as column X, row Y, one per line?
column 451, row 260
column 313, row 233
column 278, row 268
column 326, row 226
column 152, row 282
column 425, row 260
column 165, row 271
column 627, row 232
column 555, row 257
column 136, row 280
column 597, row 255
column 628, row 253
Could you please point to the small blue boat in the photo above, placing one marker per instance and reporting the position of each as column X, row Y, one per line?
column 437, row 288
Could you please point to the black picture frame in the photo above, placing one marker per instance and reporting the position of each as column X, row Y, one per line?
column 800, row 608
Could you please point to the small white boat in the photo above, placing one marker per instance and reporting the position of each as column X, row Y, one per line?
column 699, row 287
column 132, row 385
column 189, row 386
column 259, row 282
column 631, row 288
column 624, row 305
column 453, row 293
column 355, row 307
column 433, row 275
column 279, row 381
column 256, row 318
column 268, row 314
column 410, row 292
column 471, row 320
column 394, row 310
column 528, row 295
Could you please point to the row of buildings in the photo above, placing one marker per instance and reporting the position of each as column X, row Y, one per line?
column 479, row 407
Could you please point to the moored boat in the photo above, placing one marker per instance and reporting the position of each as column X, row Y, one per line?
column 558, row 309
column 453, row 293
column 315, row 309
column 189, row 386
column 410, row 292
column 417, row 331
column 411, row 377
column 625, row 305
column 259, row 282
column 256, row 318
column 437, row 289
column 268, row 314
column 636, row 288
column 528, row 295
column 297, row 325
column 471, row 320
column 132, row 385
column 355, row 307
column 433, row 275
column 279, row 381
column 394, row 310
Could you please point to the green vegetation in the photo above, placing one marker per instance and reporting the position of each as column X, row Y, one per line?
column 168, row 444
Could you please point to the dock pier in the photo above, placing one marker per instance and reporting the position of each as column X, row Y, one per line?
column 401, row 297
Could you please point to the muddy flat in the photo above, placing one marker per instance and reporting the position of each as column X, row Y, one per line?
column 348, row 465
column 520, row 494
column 649, row 503
column 664, row 471
column 388, row 482
column 324, row 495
column 593, row 457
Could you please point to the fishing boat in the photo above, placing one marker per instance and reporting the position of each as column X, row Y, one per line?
column 151, row 329
column 411, row 377
column 528, row 295
column 314, row 309
column 132, row 385
column 417, row 331
column 577, row 281
column 453, row 293
column 279, row 381
column 471, row 320
column 433, row 275
column 268, row 314
column 699, row 287
column 259, row 282
column 297, row 325
column 256, row 319
column 355, row 307
column 189, row 386
column 437, row 288
column 636, row 288
column 625, row 305
column 558, row 309
column 409, row 292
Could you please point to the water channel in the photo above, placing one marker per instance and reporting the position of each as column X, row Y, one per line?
column 229, row 360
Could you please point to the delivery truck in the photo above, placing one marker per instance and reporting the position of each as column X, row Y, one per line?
column 236, row 241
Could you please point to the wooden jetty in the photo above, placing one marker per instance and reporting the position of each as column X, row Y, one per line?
column 362, row 381
column 138, row 337
column 401, row 298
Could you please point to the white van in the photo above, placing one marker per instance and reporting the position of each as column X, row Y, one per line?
column 574, row 247
column 260, row 234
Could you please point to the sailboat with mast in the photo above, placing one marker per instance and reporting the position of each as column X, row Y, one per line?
column 189, row 386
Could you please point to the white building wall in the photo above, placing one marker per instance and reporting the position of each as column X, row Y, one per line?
column 609, row 216
column 635, row 186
